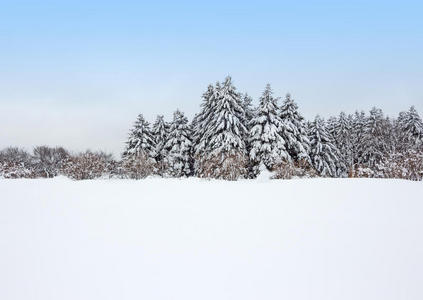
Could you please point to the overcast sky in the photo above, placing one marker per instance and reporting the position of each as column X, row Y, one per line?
column 77, row 73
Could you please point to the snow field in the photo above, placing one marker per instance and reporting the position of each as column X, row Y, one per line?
column 198, row 239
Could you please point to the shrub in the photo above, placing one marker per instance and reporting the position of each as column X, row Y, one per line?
column 138, row 167
column 88, row 165
column 15, row 163
column 289, row 170
column 48, row 162
column 229, row 167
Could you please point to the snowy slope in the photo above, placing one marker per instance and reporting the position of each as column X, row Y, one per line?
column 193, row 239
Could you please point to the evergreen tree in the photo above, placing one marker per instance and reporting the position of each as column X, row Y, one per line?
column 179, row 143
column 293, row 131
column 224, row 135
column 267, row 146
column 249, row 115
column 140, row 141
column 343, row 139
column 331, row 127
column 325, row 156
column 410, row 128
column 358, row 135
column 247, row 103
column 374, row 142
column 202, row 120
column 201, row 124
column 139, row 156
column 160, row 133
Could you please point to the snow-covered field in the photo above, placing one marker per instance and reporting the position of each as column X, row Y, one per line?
column 192, row 239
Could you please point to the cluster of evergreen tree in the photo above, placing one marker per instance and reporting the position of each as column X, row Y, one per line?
column 231, row 139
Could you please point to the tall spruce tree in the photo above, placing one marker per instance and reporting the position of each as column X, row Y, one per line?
column 224, row 137
column 140, row 141
column 267, row 146
column 410, row 128
column 203, row 119
column 374, row 142
column 325, row 156
column 179, row 144
column 343, row 139
column 247, row 103
column 139, row 155
column 358, row 135
column 293, row 131
column 249, row 110
column 160, row 133
column 201, row 124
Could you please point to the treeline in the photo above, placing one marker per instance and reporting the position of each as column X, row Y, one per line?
column 230, row 139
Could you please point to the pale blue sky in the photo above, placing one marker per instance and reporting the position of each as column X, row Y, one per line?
column 76, row 73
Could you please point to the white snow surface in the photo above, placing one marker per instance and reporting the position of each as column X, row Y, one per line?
column 198, row 239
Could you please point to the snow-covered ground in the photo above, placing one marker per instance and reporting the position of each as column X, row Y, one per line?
column 193, row 239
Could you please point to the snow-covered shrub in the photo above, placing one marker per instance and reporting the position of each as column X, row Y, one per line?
column 289, row 170
column 88, row 165
column 228, row 167
column 15, row 163
column 408, row 165
column 138, row 167
column 48, row 162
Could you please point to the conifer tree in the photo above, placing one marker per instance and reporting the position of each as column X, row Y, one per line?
column 324, row 154
column 141, row 140
column 201, row 124
column 139, row 155
column 203, row 119
column 247, row 103
column 293, row 131
column 374, row 142
column 410, row 128
column 331, row 127
column 249, row 110
column 224, row 137
column 160, row 133
column 358, row 135
column 179, row 144
column 267, row 146
column 343, row 139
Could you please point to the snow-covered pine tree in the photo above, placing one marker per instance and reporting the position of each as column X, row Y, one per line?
column 249, row 110
column 293, row 131
column 201, row 123
column 343, row 140
column 226, row 154
column 374, row 143
column 160, row 133
column 139, row 155
column 247, row 103
column 179, row 161
column 410, row 128
column 331, row 127
column 324, row 154
column 358, row 135
column 267, row 146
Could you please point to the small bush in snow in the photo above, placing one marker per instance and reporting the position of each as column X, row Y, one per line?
column 138, row 167
column 15, row 163
column 88, row 165
column 48, row 162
